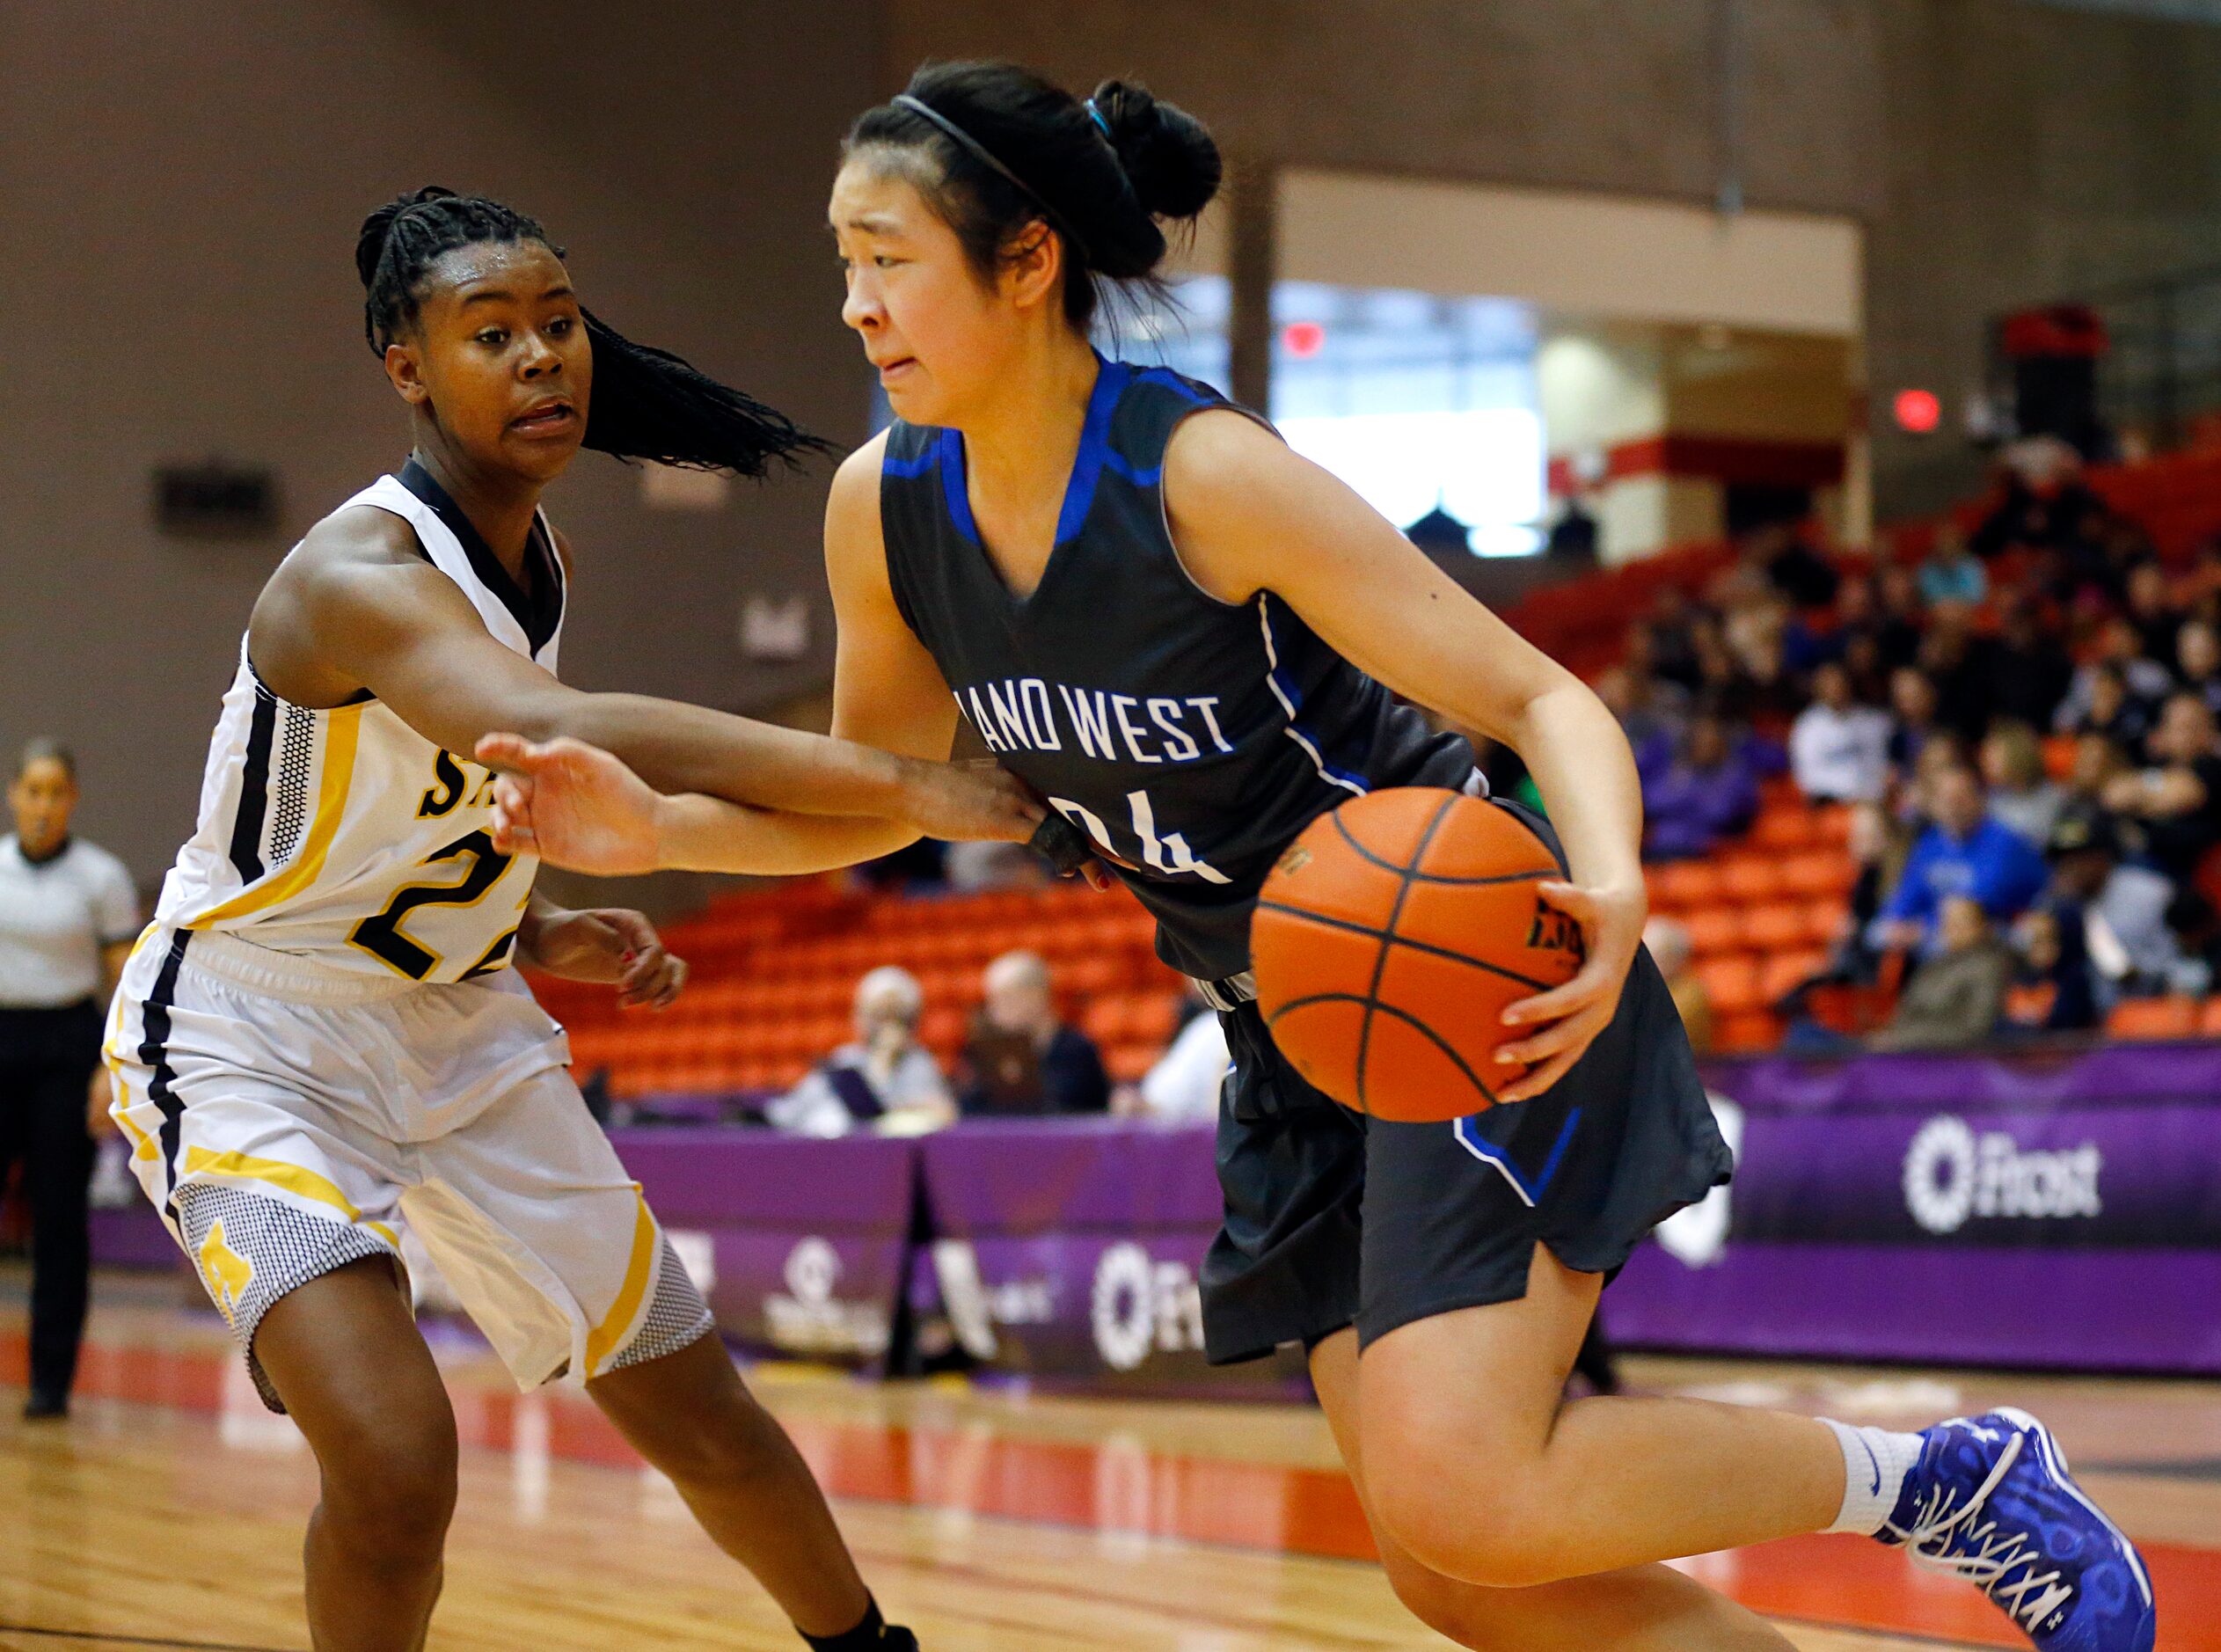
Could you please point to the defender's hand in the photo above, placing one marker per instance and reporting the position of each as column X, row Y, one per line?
column 977, row 801
column 571, row 804
column 1611, row 924
column 607, row 944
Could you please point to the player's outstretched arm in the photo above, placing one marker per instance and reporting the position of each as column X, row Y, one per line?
column 1249, row 514
column 356, row 608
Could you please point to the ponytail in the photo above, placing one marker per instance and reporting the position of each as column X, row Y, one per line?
column 646, row 404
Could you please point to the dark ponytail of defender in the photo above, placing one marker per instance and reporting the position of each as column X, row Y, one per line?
column 1102, row 173
column 647, row 403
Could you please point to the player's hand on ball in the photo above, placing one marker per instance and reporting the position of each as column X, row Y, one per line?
column 972, row 802
column 1568, row 1017
column 609, row 944
column 571, row 804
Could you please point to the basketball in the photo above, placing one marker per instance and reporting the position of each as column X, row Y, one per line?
column 1388, row 940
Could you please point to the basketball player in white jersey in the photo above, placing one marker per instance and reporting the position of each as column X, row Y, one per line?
column 323, row 1035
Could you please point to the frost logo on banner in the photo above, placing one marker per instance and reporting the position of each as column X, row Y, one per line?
column 809, row 1319
column 1953, row 1175
column 1140, row 1304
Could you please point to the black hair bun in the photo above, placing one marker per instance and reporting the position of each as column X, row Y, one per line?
column 1169, row 155
column 369, row 241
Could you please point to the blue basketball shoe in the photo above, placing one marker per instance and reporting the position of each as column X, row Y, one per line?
column 1990, row 1500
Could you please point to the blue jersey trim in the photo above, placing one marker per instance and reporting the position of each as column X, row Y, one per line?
column 1111, row 379
column 910, row 468
column 1118, row 465
column 949, row 453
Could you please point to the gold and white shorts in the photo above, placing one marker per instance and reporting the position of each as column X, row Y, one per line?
column 287, row 1120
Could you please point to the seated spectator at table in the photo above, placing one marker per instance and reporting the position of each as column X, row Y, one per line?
column 2029, row 669
column 2143, row 683
column 884, row 1080
column 1671, row 949
column 1839, row 750
column 2055, row 960
column 1955, row 999
column 2197, row 658
column 2176, row 799
column 2021, row 793
column 1022, row 1058
column 1183, row 1086
column 1962, row 852
column 1952, row 573
column 2152, row 611
column 2114, row 914
column 1710, row 791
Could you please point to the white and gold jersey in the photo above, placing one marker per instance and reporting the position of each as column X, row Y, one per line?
column 343, row 839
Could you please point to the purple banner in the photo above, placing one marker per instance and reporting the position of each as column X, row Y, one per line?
column 801, row 1245
column 1069, row 1250
column 2054, row 1211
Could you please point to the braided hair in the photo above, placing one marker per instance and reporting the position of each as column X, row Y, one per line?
column 647, row 403
column 1105, row 174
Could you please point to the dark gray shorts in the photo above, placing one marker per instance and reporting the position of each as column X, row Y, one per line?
column 1334, row 1220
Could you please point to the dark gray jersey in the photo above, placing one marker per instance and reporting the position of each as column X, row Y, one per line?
column 1190, row 738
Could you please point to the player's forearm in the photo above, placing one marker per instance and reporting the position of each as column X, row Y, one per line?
column 1573, row 746
column 697, row 833
column 687, row 748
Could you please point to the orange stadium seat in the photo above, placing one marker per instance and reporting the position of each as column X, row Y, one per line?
column 1714, row 929
column 1731, row 983
column 1682, row 885
column 1786, row 971
column 2170, row 1017
column 1751, row 878
column 1776, row 926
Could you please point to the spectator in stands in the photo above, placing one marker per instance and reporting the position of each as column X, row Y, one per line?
column 1963, row 852
column 2021, row 793
column 1912, row 699
column 2120, row 650
column 2053, row 957
column 1956, row 662
column 1957, row 997
column 2177, row 798
column 2152, row 611
column 1899, row 621
column 884, row 1080
column 974, row 868
column 1670, row 948
column 1647, row 715
column 1839, row 750
column 1183, row 1086
column 1792, row 566
column 1861, row 652
column 1710, row 791
column 2029, row 671
column 1951, row 572
column 2109, row 710
column 1669, row 635
column 2112, row 916
column 1022, row 1057
column 2197, row 656
column 2046, row 504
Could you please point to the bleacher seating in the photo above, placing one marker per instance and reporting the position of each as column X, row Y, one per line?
column 775, row 972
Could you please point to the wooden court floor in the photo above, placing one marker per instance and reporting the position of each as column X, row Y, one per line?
column 167, row 1513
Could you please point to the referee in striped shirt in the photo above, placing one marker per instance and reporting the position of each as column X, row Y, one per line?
column 68, row 914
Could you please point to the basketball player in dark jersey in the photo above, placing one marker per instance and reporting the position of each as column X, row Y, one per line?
column 310, row 1048
column 1186, row 638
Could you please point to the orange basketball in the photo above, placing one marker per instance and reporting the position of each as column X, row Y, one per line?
column 1388, row 940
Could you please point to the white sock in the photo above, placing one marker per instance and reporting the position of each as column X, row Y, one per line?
column 1875, row 1463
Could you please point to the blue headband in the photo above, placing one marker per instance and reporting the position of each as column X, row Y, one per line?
column 980, row 152
column 1101, row 125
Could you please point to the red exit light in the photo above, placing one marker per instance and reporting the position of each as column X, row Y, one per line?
column 1303, row 340
column 1917, row 411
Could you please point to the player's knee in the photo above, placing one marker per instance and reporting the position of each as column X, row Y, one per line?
column 394, row 1500
column 1450, row 1609
column 1491, row 1529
